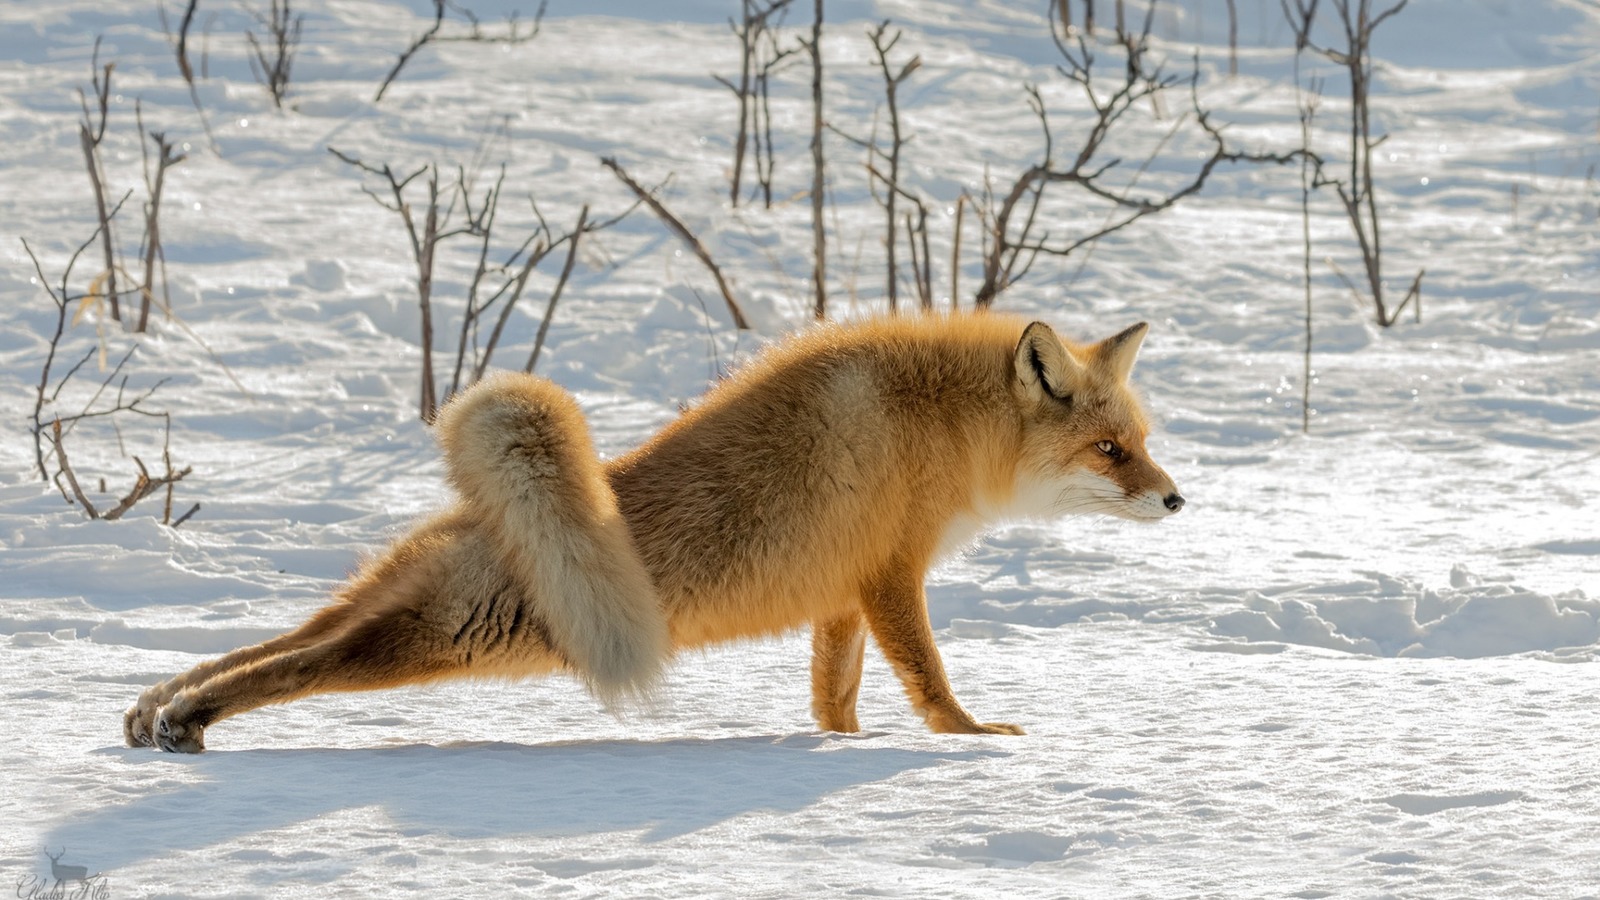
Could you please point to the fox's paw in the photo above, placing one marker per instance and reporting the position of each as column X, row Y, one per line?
column 998, row 728
column 174, row 735
column 954, row 725
column 138, row 723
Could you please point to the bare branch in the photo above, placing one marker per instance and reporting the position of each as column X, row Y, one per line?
column 677, row 227
column 755, row 70
column 819, row 240
column 165, row 160
column 514, row 35
column 555, row 295
column 66, row 470
column 882, row 44
column 143, row 487
column 417, row 44
column 185, row 517
column 90, row 134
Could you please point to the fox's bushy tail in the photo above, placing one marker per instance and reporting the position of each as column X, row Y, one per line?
column 517, row 448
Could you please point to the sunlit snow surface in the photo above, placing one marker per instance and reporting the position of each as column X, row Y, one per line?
column 1337, row 673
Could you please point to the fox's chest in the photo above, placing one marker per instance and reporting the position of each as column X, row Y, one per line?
column 1032, row 498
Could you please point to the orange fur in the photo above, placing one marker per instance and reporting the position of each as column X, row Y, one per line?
column 816, row 486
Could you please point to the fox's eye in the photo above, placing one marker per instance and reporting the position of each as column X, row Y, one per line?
column 1109, row 448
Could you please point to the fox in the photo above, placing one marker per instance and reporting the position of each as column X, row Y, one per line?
column 816, row 485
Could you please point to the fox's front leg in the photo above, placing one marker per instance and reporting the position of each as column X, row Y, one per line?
column 139, row 722
column 837, row 647
column 897, row 612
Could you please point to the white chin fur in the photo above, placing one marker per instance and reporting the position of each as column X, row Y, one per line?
column 1046, row 497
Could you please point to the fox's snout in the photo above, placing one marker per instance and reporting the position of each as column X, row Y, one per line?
column 1152, row 505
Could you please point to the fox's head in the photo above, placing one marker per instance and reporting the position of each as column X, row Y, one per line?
column 1084, row 432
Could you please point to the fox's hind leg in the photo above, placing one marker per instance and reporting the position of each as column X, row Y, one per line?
column 837, row 647
column 897, row 611
column 396, row 645
column 138, row 724
column 436, row 605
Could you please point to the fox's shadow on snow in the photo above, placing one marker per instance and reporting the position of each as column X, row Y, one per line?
column 668, row 788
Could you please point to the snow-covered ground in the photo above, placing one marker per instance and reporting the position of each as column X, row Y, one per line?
column 1338, row 673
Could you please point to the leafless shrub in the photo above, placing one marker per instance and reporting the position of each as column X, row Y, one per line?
column 143, row 486
column 271, row 66
column 438, row 205
column 955, row 252
column 109, row 286
column 882, row 45
column 883, row 168
column 514, row 33
column 760, row 55
column 1012, row 238
column 1356, row 24
column 111, row 399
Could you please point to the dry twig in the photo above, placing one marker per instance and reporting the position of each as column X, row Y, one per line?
column 91, row 131
column 283, row 28
column 882, row 44
column 152, row 250
column 514, row 35
column 819, row 238
column 677, row 227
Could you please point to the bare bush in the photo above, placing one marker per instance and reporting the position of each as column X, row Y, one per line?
column 152, row 251
column 439, row 204
column 111, row 399
column 760, row 56
column 1013, row 239
column 271, row 63
column 884, row 165
column 1356, row 24
column 109, row 286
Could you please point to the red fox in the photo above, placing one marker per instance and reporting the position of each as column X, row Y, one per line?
column 815, row 486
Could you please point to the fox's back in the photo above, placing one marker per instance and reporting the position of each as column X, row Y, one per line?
column 775, row 498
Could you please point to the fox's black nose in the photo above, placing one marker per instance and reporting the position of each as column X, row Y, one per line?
column 1174, row 501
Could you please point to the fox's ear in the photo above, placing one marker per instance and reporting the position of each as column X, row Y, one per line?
column 1116, row 354
column 1044, row 366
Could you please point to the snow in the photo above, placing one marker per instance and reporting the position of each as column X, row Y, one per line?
column 1355, row 665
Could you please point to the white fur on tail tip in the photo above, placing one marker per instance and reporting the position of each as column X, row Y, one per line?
column 517, row 448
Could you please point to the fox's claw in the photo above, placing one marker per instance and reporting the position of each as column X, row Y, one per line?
column 175, row 737
column 136, row 728
column 138, row 723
